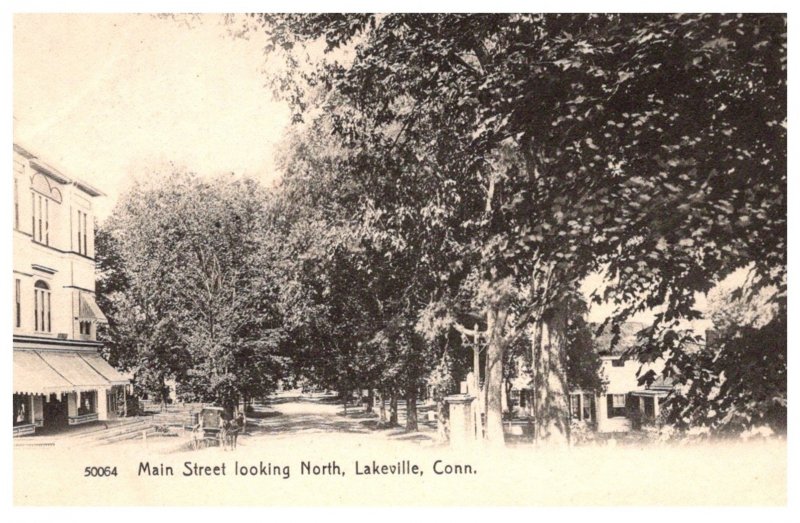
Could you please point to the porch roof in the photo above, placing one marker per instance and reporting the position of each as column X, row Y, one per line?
column 650, row 393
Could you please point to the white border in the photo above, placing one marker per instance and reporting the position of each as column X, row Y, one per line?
column 461, row 515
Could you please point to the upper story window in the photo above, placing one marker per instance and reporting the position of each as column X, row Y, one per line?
column 83, row 245
column 618, row 362
column 41, row 307
column 44, row 195
column 85, row 328
column 17, row 303
column 16, row 204
column 40, row 218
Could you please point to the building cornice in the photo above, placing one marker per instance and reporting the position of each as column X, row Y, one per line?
column 76, row 253
column 55, row 174
column 49, row 171
column 55, row 342
column 42, row 268
column 24, row 152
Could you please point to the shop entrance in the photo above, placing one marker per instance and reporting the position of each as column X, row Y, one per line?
column 55, row 412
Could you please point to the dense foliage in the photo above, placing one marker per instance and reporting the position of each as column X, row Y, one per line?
column 533, row 150
column 185, row 274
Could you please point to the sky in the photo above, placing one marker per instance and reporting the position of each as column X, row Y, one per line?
column 105, row 97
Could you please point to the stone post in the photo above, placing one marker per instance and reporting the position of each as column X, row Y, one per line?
column 462, row 421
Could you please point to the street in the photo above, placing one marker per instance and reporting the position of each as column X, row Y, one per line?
column 305, row 421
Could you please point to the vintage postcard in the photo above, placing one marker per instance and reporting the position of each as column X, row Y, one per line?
column 399, row 259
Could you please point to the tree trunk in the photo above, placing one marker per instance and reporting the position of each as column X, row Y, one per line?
column 393, row 408
column 370, row 401
column 382, row 401
column 164, row 394
column 550, row 381
column 494, row 377
column 477, row 412
column 411, row 410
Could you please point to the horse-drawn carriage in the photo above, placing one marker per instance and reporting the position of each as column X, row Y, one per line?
column 208, row 429
column 212, row 428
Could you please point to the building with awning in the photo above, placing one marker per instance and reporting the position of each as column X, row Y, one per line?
column 60, row 377
column 77, row 376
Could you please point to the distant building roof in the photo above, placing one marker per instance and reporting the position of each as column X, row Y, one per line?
column 51, row 171
column 627, row 338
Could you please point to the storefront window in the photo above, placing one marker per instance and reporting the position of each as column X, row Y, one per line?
column 22, row 409
column 111, row 398
column 88, row 403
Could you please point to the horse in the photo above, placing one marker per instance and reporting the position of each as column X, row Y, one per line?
column 224, row 434
column 233, row 435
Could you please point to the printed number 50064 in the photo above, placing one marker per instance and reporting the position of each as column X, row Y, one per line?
column 99, row 472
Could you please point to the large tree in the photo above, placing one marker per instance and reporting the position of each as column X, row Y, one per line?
column 198, row 304
column 356, row 273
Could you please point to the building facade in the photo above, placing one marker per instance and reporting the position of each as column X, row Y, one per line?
column 60, row 378
column 624, row 404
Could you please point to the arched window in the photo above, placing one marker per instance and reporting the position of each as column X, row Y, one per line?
column 41, row 304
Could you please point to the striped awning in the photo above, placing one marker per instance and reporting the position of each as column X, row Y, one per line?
column 32, row 375
column 89, row 309
column 75, row 370
column 102, row 367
